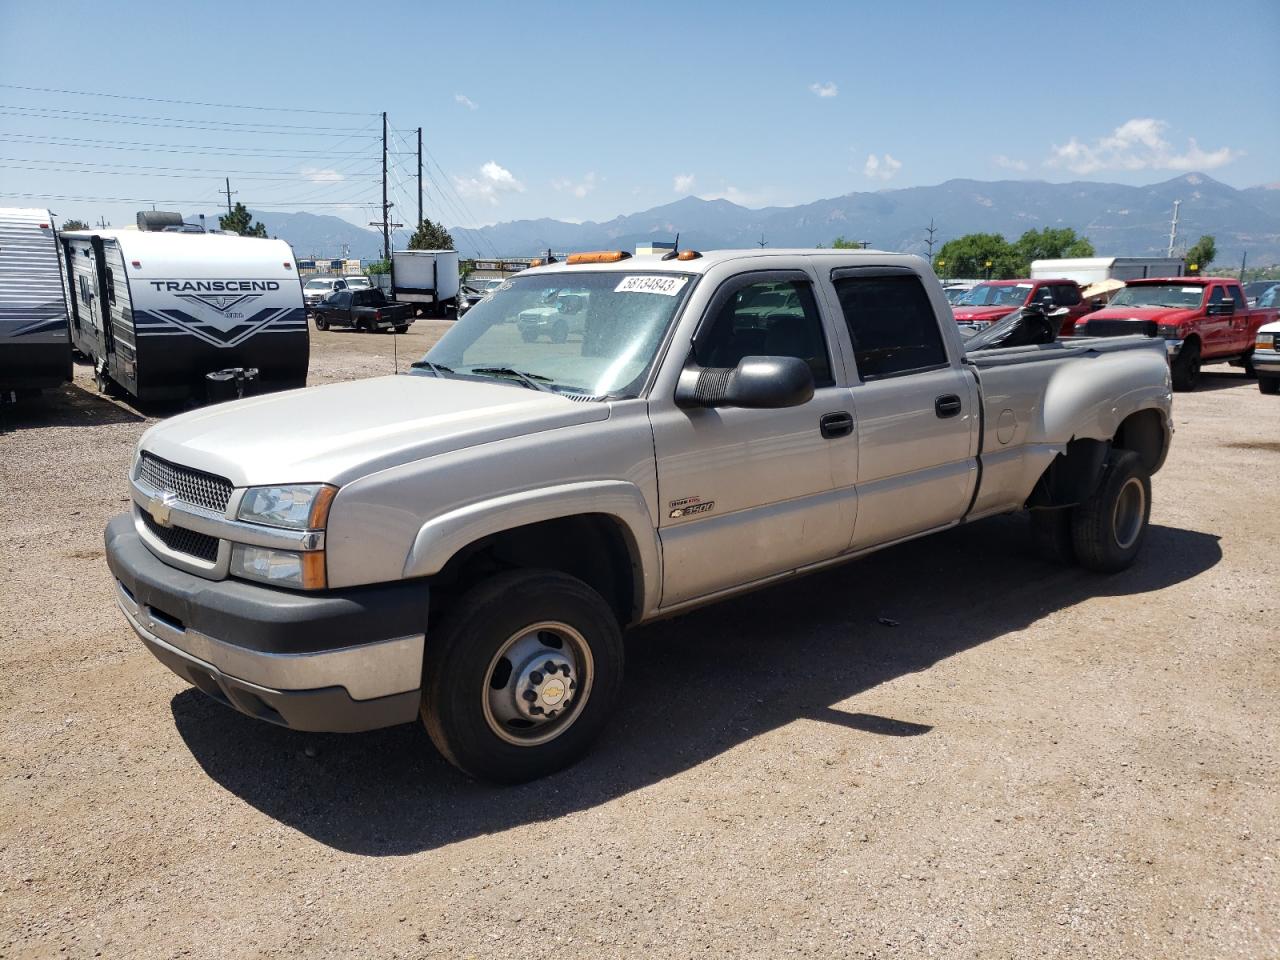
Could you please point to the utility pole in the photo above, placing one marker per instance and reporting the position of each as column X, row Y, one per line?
column 931, row 230
column 761, row 242
column 1244, row 257
column 1173, row 227
column 419, row 176
column 229, row 196
column 386, row 210
column 102, row 222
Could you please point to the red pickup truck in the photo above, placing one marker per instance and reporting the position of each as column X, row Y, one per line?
column 1201, row 319
column 990, row 301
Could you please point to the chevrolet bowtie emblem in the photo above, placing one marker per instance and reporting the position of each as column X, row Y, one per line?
column 160, row 507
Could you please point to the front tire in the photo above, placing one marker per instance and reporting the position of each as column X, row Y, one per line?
column 521, row 675
column 1108, row 529
column 1186, row 366
column 322, row 323
column 1269, row 384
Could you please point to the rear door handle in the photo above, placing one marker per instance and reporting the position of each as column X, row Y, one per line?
column 836, row 425
column 947, row 405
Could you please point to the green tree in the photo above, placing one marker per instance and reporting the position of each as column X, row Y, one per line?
column 969, row 255
column 239, row 221
column 1202, row 253
column 75, row 225
column 430, row 236
column 1051, row 244
column 378, row 266
column 840, row 243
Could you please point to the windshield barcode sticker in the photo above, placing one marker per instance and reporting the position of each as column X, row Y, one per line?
column 667, row 286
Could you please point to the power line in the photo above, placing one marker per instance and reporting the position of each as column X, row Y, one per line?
column 53, row 196
column 187, row 103
column 86, row 143
column 180, row 125
column 121, row 117
column 290, row 178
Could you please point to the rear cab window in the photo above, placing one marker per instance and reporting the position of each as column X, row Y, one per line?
column 891, row 325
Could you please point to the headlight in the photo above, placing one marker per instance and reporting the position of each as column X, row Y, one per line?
column 297, row 507
column 285, row 568
column 1168, row 331
column 1266, row 341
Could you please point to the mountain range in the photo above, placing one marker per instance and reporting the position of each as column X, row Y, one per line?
column 1120, row 220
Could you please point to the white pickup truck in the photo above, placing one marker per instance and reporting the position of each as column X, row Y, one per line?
column 468, row 541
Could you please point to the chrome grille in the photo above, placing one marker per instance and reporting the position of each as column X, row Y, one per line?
column 180, row 540
column 192, row 487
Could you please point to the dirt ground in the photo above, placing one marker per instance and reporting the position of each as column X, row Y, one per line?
column 1034, row 762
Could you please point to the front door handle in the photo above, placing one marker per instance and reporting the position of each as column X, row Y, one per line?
column 947, row 405
column 836, row 425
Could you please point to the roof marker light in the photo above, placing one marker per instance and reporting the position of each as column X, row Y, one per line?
column 136, row 263
column 288, row 266
column 599, row 256
column 688, row 255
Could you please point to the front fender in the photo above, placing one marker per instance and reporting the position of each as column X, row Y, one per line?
column 441, row 537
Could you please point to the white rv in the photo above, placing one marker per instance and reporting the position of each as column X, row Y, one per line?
column 426, row 277
column 34, row 350
column 1090, row 270
column 156, row 311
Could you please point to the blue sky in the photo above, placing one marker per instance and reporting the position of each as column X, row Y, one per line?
column 536, row 110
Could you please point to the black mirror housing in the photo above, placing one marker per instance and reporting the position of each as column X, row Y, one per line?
column 1224, row 308
column 755, row 383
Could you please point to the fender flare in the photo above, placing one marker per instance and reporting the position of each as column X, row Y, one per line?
column 441, row 537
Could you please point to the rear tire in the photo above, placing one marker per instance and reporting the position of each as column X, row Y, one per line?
column 1269, row 384
column 402, row 328
column 1186, row 366
column 528, row 336
column 1109, row 528
column 1051, row 535
column 321, row 323
column 472, row 694
column 1247, row 363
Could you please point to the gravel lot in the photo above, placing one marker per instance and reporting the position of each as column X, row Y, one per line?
column 1035, row 762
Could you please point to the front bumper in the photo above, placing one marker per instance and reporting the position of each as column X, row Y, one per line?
column 338, row 661
column 1267, row 362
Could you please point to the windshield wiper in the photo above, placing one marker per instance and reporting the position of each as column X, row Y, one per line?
column 438, row 369
column 530, row 380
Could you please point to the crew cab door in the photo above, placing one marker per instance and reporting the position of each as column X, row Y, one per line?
column 341, row 303
column 1241, row 332
column 917, row 408
column 1216, row 325
column 749, row 493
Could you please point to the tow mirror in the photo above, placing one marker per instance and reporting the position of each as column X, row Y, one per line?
column 755, row 383
column 1224, row 308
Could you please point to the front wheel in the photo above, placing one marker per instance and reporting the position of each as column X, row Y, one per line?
column 1107, row 530
column 322, row 322
column 1269, row 384
column 528, row 335
column 521, row 675
column 1186, row 366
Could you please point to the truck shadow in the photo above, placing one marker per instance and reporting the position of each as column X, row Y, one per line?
column 67, row 406
column 696, row 687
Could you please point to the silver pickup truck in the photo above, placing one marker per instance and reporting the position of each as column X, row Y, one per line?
column 469, row 541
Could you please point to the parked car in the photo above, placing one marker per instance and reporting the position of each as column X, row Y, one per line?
column 562, row 314
column 317, row 288
column 994, row 299
column 358, row 282
column 1201, row 319
column 468, row 542
column 367, row 310
column 1266, row 357
column 469, row 294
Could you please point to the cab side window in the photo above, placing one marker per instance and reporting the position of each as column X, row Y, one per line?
column 892, row 325
column 1065, row 295
column 1238, row 296
column 777, row 318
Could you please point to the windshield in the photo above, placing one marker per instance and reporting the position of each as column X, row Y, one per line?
column 318, row 284
column 990, row 295
column 1158, row 295
column 590, row 333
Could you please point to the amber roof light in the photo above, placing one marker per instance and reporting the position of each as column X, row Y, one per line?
column 599, row 256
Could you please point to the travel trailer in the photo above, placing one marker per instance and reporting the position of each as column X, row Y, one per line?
column 34, row 350
column 157, row 310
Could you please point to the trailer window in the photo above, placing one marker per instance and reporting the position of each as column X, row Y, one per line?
column 111, row 286
column 892, row 325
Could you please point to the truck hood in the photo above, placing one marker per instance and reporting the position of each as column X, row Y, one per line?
column 337, row 433
column 1162, row 315
column 982, row 313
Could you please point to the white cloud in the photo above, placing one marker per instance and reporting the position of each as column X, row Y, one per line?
column 317, row 175
column 683, row 182
column 1137, row 144
column 579, row 189
column 493, row 180
column 1009, row 163
column 824, row 90
column 881, row 168
column 742, row 198
column 466, row 101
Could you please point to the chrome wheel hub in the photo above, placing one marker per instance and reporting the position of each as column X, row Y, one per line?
column 537, row 683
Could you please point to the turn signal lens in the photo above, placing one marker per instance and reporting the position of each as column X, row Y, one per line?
column 688, row 255
column 599, row 256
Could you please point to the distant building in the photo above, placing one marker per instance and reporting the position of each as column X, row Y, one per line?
column 652, row 247
column 338, row 266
